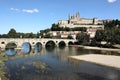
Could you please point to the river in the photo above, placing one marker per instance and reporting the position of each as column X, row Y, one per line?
column 26, row 65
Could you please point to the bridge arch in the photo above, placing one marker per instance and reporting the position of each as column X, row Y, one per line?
column 70, row 43
column 26, row 43
column 50, row 43
column 11, row 45
column 38, row 46
column 61, row 44
column 39, row 43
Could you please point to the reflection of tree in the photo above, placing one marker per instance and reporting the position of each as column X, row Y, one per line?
column 73, row 61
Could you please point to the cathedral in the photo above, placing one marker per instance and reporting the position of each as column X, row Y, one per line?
column 77, row 21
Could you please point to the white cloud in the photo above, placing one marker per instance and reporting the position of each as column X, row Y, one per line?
column 14, row 9
column 25, row 10
column 111, row 1
column 30, row 10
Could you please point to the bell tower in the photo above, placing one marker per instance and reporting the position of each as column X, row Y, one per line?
column 69, row 17
column 78, row 15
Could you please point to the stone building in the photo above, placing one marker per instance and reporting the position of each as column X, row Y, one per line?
column 73, row 21
column 92, row 25
column 77, row 21
column 64, row 34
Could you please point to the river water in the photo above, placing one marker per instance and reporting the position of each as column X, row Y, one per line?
column 57, row 65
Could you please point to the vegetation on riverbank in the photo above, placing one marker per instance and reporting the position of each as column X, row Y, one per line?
column 3, row 69
column 110, row 36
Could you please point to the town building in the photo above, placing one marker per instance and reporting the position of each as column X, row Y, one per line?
column 92, row 25
column 64, row 34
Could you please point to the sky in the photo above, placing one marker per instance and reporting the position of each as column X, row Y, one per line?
column 35, row 15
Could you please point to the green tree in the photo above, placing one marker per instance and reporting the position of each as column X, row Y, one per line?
column 69, row 37
column 100, row 35
column 4, row 36
column 112, row 24
column 55, row 27
column 38, row 34
column 116, row 36
column 110, row 35
column 12, row 33
column 79, row 29
column 29, row 35
column 47, row 36
column 82, row 37
column 67, row 29
column 44, row 33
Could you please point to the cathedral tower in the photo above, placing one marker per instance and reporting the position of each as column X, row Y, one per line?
column 78, row 15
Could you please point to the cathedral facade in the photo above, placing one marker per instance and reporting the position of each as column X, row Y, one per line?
column 77, row 21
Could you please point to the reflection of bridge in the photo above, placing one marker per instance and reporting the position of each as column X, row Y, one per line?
column 33, row 41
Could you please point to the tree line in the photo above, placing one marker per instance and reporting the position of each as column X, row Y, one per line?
column 111, row 33
column 42, row 33
column 13, row 34
column 112, row 24
column 56, row 27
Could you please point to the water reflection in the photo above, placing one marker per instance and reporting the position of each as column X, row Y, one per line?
column 58, row 66
column 38, row 47
column 62, row 47
column 10, row 51
column 90, row 71
column 50, row 48
column 26, row 48
column 62, row 44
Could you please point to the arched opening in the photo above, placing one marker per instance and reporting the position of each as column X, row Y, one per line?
column 50, row 45
column 62, row 44
column 70, row 43
column 3, row 42
column 38, row 47
column 76, row 43
column 33, row 42
column 11, row 45
column 26, row 47
column 10, row 49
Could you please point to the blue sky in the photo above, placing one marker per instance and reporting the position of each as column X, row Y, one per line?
column 35, row 15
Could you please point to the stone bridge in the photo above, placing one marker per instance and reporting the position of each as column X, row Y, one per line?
column 33, row 41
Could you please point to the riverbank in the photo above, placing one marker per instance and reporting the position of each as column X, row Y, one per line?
column 96, row 48
column 3, row 68
column 106, row 60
